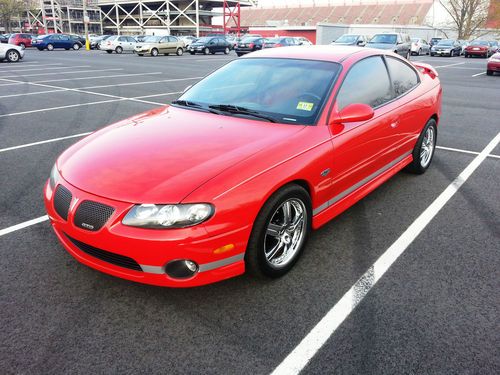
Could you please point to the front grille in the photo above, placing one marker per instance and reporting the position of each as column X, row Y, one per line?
column 106, row 256
column 92, row 215
column 62, row 200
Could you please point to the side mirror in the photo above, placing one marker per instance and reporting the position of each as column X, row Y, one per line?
column 360, row 43
column 353, row 113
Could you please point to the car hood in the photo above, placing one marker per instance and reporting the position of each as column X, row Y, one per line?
column 165, row 154
column 381, row 45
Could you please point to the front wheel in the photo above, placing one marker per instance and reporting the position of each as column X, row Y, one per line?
column 206, row 51
column 280, row 232
column 76, row 46
column 13, row 56
column 154, row 52
column 489, row 72
column 419, row 53
column 50, row 47
column 118, row 50
column 424, row 148
column 226, row 51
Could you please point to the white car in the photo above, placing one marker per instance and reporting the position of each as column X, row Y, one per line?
column 419, row 47
column 11, row 52
column 118, row 44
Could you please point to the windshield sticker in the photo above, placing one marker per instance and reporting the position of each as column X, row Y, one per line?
column 305, row 106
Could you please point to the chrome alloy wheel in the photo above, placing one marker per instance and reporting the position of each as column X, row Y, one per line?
column 13, row 56
column 285, row 232
column 427, row 147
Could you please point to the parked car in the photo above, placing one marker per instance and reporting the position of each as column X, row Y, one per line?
column 463, row 44
column 446, row 47
column 480, row 48
column 79, row 38
column 494, row 46
column 434, row 41
column 118, row 44
column 140, row 38
column 303, row 41
column 234, row 41
column 187, row 40
column 399, row 43
column 11, row 52
column 53, row 41
column 248, row 45
column 210, row 45
column 419, row 47
column 351, row 40
column 96, row 43
column 231, row 177
column 282, row 41
column 4, row 38
column 155, row 45
column 21, row 39
column 493, row 64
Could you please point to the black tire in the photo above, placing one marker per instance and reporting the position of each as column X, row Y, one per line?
column 76, row 46
column 179, row 52
column 50, row 47
column 239, row 54
column 154, row 52
column 489, row 72
column 226, row 51
column 206, row 51
column 432, row 54
column 416, row 166
column 12, row 56
column 140, row 54
column 192, row 53
column 109, row 51
column 40, row 49
column 255, row 258
column 466, row 56
column 119, row 50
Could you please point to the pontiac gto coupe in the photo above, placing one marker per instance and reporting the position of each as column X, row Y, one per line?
column 235, row 174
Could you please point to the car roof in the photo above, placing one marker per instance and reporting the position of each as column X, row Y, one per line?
column 330, row 53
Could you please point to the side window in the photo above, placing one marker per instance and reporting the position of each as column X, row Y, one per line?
column 172, row 39
column 403, row 77
column 130, row 39
column 64, row 37
column 122, row 39
column 367, row 82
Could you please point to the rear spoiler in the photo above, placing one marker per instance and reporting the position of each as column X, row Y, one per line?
column 427, row 69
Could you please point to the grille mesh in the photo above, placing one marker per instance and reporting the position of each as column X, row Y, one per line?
column 106, row 256
column 92, row 215
column 62, row 200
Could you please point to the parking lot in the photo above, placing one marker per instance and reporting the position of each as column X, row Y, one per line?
column 434, row 311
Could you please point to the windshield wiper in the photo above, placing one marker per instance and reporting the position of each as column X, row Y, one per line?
column 228, row 108
column 187, row 103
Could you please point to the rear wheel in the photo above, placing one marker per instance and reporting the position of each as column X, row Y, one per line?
column 180, row 51
column 424, row 149
column 206, row 51
column 13, row 56
column 50, row 47
column 419, row 52
column 280, row 232
column 226, row 51
column 118, row 49
column 489, row 72
column 154, row 52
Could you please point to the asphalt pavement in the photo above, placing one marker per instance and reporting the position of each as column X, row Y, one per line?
column 435, row 311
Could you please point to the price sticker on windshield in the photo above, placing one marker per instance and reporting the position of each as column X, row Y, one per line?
column 305, row 106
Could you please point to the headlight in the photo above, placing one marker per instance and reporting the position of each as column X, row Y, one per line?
column 168, row 216
column 54, row 177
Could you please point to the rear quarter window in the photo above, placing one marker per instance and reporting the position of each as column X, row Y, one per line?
column 403, row 77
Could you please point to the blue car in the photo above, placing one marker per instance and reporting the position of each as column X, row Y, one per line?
column 51, row 41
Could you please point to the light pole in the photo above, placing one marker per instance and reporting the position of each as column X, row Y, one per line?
column 86, row 21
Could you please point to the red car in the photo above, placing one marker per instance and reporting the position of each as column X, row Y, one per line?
column 480, row 48
column 21, row 40
column 233, row 177
column 493, row 64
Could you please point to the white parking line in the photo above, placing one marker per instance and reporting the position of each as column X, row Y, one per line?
column 42, row 68
column 43, row 142
column 64, row 72
column 26, row 224
column 446, row 66
column 466, row 151
column 7, row 65
column 318, row 336
column 84, row 78
column 478, row 74
column 155, row 95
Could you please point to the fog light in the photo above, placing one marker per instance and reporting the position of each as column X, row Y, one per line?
column 181, row 269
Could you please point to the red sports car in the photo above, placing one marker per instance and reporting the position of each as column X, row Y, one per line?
column 234, row 176
column 493, row 64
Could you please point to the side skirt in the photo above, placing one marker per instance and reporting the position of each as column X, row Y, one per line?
column 343, row 204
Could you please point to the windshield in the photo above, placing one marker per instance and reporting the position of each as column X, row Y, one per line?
column 152, row 39
column 249, row 40
column 445, row 43
column 384, row 38
column 273, row 40
column 283, row 90
column 347, row 39
column 480, row 43
column 204, row 40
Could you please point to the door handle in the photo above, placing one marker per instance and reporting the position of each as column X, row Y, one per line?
column 394, row 124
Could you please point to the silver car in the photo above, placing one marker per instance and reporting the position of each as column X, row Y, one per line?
column 118, row 44
column 419, row 47
column 11, row 52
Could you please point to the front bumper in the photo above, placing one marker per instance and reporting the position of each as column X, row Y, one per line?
column 148, row 249
column 494, row 66
column 476, row 52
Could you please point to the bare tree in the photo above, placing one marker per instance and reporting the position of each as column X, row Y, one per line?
column 468, row 15
column 11, row 9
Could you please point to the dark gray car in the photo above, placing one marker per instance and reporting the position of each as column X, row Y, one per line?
column 397, row 42
column 351, row 40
